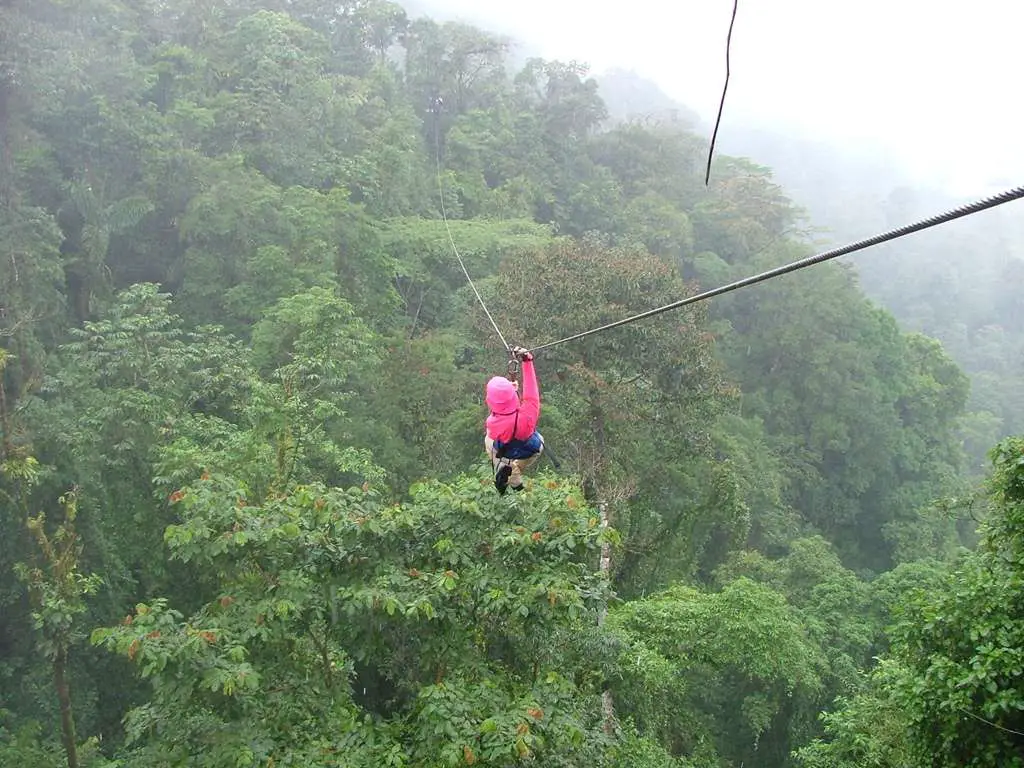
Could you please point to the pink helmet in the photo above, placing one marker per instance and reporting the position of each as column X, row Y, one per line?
column 502, row 395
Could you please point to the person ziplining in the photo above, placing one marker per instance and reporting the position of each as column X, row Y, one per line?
column 511, row 438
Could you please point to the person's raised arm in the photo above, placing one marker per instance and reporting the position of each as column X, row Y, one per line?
column 529, row 409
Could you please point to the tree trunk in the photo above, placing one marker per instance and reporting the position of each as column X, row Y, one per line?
column 67, row 720
column 6, row 177
column 605, row 563
column 606, row 557
column 607, row 705
column 78, row 293
column 6, row 440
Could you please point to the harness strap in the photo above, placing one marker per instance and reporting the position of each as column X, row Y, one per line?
column 500, row 453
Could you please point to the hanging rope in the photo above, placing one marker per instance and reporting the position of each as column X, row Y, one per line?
column 444, row 215
column 725, row 87
column 965, row 210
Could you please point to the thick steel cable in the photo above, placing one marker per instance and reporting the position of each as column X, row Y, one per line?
column 451, row 239
column 965, row 210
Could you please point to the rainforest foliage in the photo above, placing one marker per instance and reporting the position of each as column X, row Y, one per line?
column 960, row 284
column 245, row 514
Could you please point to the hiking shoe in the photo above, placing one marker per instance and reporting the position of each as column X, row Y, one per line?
column 501, row 479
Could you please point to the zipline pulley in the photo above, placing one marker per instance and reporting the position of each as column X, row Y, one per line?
column 513, row 369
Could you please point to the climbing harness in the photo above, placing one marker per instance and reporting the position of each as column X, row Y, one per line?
column 504, row 465
column 534, row 445
column 502, row 449
column 965, row 210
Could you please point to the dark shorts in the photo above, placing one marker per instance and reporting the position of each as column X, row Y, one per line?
column 521, row 449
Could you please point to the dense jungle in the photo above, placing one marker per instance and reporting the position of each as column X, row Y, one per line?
column 246, row 516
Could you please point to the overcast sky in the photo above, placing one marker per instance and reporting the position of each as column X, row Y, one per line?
column 936, row 82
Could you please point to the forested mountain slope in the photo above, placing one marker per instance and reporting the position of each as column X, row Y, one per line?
column 960, row 284
column 246, row 517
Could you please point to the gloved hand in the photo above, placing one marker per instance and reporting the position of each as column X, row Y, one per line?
column 521, row 353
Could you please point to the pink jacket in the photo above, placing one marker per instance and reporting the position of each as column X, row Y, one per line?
column 503, row 400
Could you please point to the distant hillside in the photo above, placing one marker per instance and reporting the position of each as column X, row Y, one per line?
column 631, row 97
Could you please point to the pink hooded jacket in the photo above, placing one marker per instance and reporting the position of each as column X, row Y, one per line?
column 503, row 400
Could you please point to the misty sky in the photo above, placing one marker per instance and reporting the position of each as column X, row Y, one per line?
column 834, row 70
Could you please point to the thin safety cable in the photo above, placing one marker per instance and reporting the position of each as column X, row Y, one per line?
column 451, row 239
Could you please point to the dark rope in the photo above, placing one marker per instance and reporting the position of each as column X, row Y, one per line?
column 956, row 213
column 989, row 722
column 451, row 239
column 725, row 87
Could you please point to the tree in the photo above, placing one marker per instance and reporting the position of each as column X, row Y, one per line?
column 384, row 23
column 630, row 410
column 714, row 676
column 661, row 227
column 58, row 592
column 287, row 418
column 32, row 301
column 868, row 730
column 639, row 154
column 251, row 243
column 567, row 100
column 833, row 604
column 419, row 409
column 269, row 99
column 339, row 630
column 89, row 224
column 120, row 386
column 746, row 213
column 461, row 65
column 428, row 278
column 863, row 416
column 961, row 650
column 948, row 693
